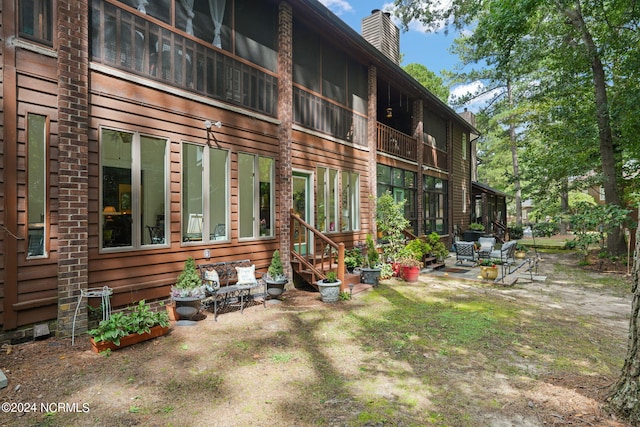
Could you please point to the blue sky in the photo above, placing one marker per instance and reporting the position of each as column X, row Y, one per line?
column 416, row 45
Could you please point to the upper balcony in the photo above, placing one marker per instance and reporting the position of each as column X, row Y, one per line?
column 398, row 144
column 143, row 45
column 124, row 38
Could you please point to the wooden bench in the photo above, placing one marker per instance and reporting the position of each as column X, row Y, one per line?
column 231, row 289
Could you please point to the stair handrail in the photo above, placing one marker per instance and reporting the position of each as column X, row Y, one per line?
column 408, row 234
column 325, row 259
column 502, row 233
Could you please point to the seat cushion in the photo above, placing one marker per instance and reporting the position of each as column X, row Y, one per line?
column 211, row 280
column 246, row 275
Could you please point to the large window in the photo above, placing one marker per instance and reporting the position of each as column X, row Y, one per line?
column 402, row 185
column 327, row 196
column 35, row 18
column 204, row 193
column 435, row 205
column 256, row 196
column 134, row 189
column 338, row 200
column 36, row 184
column 350, row 219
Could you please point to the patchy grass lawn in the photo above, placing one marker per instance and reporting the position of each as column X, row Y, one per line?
column 441, row 352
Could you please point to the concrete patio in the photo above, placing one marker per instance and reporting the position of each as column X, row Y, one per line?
column 519, row 272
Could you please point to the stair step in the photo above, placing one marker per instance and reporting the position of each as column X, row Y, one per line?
column 509, row 280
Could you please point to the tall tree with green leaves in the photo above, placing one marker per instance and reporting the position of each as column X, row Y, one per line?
column 583, row 95
column 428, row 79
column 584, row 38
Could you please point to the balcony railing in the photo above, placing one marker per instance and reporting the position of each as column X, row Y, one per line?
column 141, row 46
column 399, row 144
column 396, row 143
column 435, row 157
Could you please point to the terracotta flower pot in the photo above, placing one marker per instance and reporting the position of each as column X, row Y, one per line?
column 128, row 340
column 410, row 273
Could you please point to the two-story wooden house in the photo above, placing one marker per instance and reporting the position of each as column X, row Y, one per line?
column 137, row 133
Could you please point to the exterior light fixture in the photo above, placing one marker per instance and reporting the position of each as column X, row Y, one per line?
column 389, row 112
column 209, row 123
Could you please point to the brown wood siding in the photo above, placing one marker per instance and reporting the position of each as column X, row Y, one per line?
column 460, row 178
column 148, row 273
column 2, row 178
column 37, row 278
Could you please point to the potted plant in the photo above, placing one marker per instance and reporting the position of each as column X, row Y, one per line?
column 475, row 231
column 353, row 259
column 488, row 269
column 188, row 290
column 124, row 329
column 371, row 274
column 410, row 266
column 275, row 277
column 521, row 251
column 330, row 288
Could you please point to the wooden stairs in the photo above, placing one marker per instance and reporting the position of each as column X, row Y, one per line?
column 327, row 256
column 432, row 263
column 305, row 277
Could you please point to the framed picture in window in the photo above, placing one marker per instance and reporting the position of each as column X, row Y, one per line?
column 124, row 191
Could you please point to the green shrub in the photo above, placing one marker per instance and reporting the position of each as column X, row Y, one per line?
column 373, row 258
column 189, row 283
column 332, row 277
column 417, row 248
column 545, row 229
column 139, row 320
column 516, row 232
column 476, row 226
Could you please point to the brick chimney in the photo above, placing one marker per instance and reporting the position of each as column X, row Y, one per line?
column 382, row 33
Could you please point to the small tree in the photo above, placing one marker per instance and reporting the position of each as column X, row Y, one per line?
column 189, row 282
column 391, row 222
column 591, row 224
column 373, row 258
column 276, row 270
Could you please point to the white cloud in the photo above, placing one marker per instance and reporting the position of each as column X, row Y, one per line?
column 337, row 6
column 419, row 26
column 470, row 88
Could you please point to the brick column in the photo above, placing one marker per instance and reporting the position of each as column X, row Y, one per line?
column 284, row 184
column 372, row 139
column 73, row 187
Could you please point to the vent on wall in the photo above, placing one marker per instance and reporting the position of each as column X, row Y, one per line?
column 381, row 32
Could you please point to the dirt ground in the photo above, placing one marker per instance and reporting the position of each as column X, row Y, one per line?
column 172, row 380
